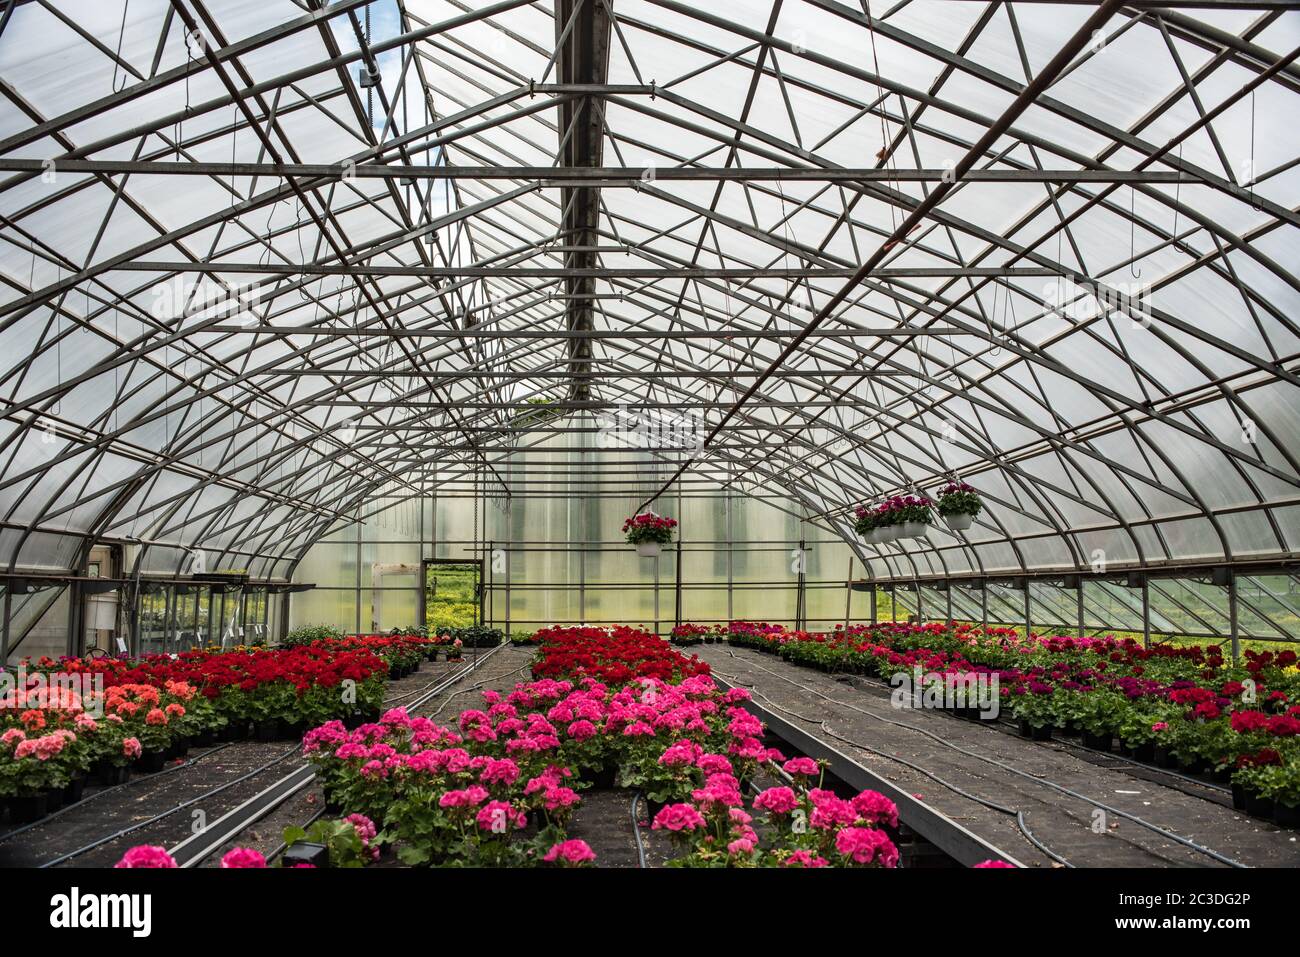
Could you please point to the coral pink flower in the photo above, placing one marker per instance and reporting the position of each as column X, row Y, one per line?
column 131, row 748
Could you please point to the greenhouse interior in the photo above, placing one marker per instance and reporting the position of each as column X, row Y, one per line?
column 650, row 434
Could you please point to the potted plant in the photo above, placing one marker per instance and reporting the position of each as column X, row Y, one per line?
column 874, row 525
column 909, row 516
column 958, row 504
column 649, row 532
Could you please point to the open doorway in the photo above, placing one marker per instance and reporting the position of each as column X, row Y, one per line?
column 453, row 593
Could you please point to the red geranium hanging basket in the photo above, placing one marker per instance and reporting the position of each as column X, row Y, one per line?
column 649, row 532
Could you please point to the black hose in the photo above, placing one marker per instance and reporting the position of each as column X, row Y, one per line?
column 636, row 831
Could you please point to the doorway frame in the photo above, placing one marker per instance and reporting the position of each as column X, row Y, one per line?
column 426, row 563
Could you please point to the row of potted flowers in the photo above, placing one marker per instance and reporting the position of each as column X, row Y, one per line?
column 608, row 707
column 615, row 655
column 65, row 722
column 1182, row 707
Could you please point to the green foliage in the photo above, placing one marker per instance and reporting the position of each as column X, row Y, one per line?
column 308, row 634
column 959, row 503
column 340, row 837
column 450, row 599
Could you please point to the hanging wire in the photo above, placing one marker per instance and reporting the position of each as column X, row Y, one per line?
column 264, row 257
column 234, row 142
column 1132, row 234
column 117, row 58
column 189, row 58
column 370, row 90
column 1254, row 204
column 1178, row 192
column 996, row 349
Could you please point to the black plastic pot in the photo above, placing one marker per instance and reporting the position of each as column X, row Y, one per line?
column 1145, row 752
column 603, row 778
column 150, row 762
column 179, row 749
column 1286, row 815
column 268, row 730
column 53, row 800
column 293, row 730
column 234, row 731
column 652, row 808
column 74, row 790
column 26, row 808
column 1164, row 758
column 205, row 739
column 1238, row 798
column 106, row 772
column 1041, row 732
column 1222, row 774
column 305, row 852
column 1260, row 807
column 1099, row 742
column 1195, row 766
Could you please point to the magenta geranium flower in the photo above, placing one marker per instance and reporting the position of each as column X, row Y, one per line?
column 243, row 857
column 147, row 855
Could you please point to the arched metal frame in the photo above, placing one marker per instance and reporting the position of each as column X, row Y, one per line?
column 646, row 202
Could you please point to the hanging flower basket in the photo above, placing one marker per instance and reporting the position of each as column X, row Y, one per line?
column 958, row 504
column 649, row 533
column 910, row 515
column 872, row 525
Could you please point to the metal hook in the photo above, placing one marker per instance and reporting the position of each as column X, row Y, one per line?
column 121, row 32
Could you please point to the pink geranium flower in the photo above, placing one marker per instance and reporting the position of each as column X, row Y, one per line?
column 243, row 857
column 147, row 855
column 573, row 853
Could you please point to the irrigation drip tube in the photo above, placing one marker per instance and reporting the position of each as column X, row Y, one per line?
column 942, row 782
column 1154, row 828
column 109, row 790
column 165, row 814
column 428, row 692
column 1008, row 728
column 636, row 830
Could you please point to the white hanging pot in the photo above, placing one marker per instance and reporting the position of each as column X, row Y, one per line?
column 912, row 529
column 648, row 549
column 887, row 533
column 959, row 521
column 874, row 536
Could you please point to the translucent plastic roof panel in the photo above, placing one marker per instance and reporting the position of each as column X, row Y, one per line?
column 262, row 262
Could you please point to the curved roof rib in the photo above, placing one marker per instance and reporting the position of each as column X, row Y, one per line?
column 265, row 261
